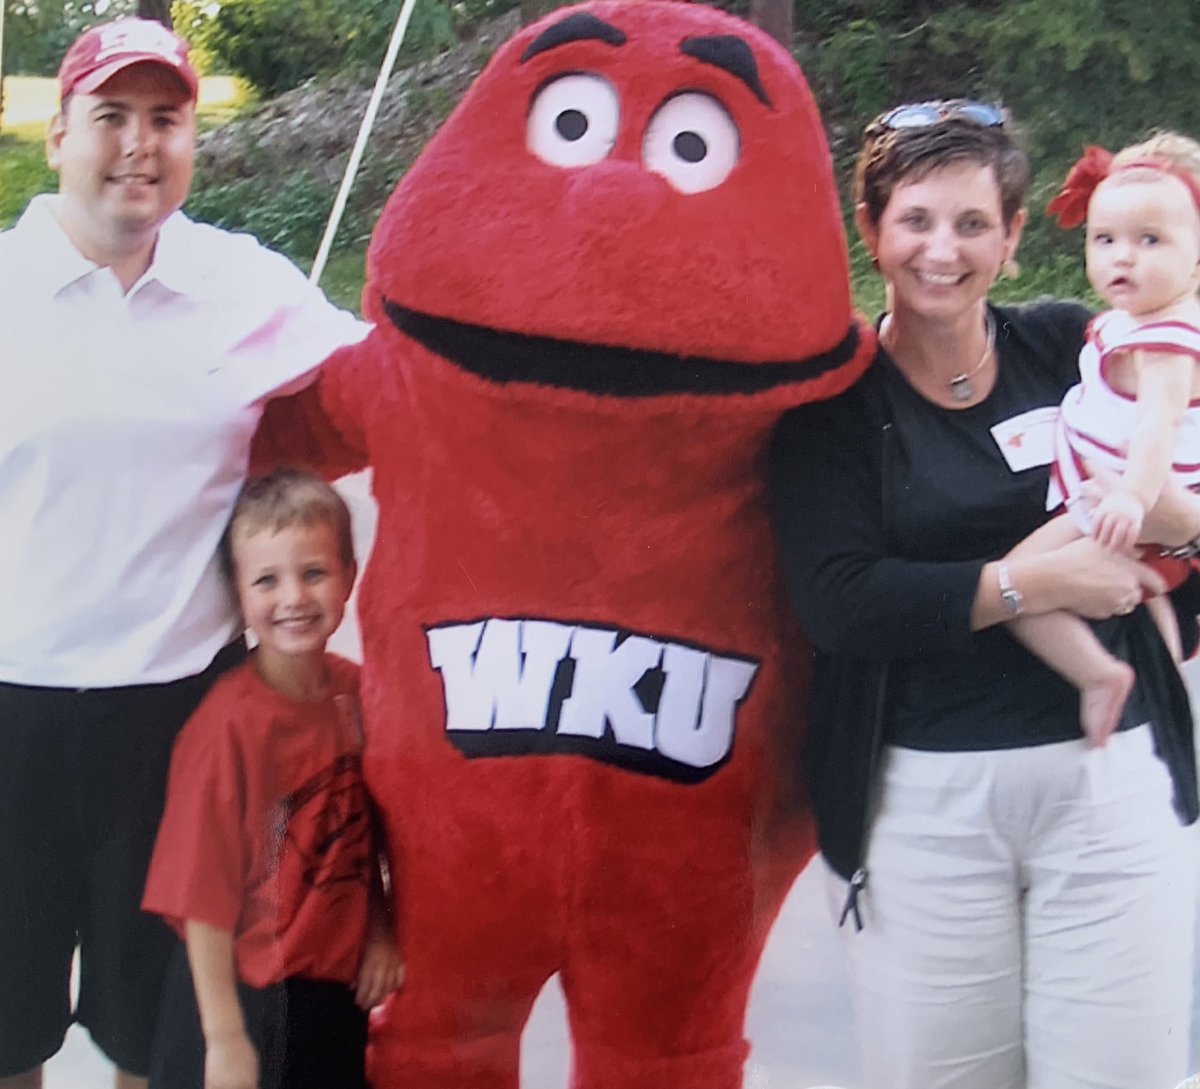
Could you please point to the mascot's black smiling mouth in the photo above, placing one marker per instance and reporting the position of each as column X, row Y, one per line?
column 616, row 372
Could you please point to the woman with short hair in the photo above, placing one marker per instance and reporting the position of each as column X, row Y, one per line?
column 1018, row 904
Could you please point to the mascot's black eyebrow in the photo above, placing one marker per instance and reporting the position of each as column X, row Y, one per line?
column 579, row 27
column 724, row 51
column 729, row 52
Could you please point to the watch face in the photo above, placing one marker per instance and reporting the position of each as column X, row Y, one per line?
column 1010, row 596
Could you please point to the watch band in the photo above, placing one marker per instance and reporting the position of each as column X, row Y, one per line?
column 1187, row 551
column 1011, row 597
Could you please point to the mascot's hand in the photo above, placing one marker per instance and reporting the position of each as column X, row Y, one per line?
column 318, row 427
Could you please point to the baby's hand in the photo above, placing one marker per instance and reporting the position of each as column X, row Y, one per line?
column 382, row 970
column 1117, row 522
column 230, row 1062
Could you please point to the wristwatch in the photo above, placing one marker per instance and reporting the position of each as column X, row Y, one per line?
column 1187, row 551
column 1014, row 603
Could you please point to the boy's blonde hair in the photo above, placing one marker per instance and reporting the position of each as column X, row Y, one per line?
column 287, row 497
column 1173, row 148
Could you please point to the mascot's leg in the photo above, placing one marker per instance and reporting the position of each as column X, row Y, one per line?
column 665, row 943
column 467, row 1044
column 478, row 931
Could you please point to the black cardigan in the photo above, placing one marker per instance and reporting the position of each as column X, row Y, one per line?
column 829, row 477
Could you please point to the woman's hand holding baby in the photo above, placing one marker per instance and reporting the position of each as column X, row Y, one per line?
column 1092, row 581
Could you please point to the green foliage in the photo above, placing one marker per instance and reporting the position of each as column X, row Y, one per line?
column 278, row 44
column 288, row 217
column 431, row 101
column 189, row 18
column 23, row 170
column 856, row 57
column 343, row 278
column 289, row 213
column 1071, row 72
column 38, row 32
column 1102, row 72
column 275, row 44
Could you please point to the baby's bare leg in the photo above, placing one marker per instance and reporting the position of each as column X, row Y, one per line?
column 1168, row 626
column 1060, row 530
column 1068, row 645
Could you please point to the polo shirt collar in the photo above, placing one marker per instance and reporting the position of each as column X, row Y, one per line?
column 55, row 263
column 176, row 264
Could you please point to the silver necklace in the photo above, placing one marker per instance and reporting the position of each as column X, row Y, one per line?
column 961, row 388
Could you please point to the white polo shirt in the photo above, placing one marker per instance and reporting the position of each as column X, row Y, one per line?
column 125, row 429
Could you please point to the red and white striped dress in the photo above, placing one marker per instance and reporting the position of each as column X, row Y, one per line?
column 1095, row 421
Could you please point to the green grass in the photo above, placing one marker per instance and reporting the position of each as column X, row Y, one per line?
column 343, row 277
column 23, row 169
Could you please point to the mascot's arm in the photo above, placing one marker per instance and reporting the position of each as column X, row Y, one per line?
column 852, row 593
column 323, row 426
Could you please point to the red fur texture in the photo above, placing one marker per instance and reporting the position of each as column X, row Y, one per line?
column 753, row 270
column 582, row 688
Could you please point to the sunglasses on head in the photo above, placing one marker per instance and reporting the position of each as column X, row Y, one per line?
column 920, row 115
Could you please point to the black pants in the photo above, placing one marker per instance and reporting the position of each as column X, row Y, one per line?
column 82, row 780
column 309, row 1034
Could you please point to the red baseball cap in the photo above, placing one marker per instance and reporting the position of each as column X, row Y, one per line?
column 101, row 52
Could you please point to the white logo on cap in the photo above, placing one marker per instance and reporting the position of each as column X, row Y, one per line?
column 138, row 37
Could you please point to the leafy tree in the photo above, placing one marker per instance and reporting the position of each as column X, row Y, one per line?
column 1071, row 72
column 38, row 32
column 1097, row 70
column 278, row 44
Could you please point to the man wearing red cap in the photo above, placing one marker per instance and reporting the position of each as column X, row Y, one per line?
column 139, row 348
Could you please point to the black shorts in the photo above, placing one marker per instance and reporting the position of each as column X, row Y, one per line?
column 82, row 780
column 309, row 1034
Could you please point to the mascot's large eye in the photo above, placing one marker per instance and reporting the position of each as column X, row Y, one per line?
column 692, row 142
column 573, row 121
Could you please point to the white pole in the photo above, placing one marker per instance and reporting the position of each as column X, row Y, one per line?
column 360, row 143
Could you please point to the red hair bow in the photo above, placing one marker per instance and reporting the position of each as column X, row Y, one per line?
column 1071, row 204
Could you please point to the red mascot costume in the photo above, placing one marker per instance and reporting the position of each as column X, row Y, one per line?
column 613, row 268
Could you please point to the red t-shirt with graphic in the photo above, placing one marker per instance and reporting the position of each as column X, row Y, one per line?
column 266, row 831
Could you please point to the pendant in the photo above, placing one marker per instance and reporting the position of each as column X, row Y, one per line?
column 961, row 388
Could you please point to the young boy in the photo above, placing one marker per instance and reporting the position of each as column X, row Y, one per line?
column 264, row 861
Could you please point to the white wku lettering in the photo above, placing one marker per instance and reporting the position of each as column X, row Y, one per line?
column 502, row 679
column 588, row 690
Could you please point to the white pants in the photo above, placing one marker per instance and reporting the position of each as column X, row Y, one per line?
column 1029, row 921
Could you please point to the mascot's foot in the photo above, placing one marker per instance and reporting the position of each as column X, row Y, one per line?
column 606, row 1068
column 490, row 1062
